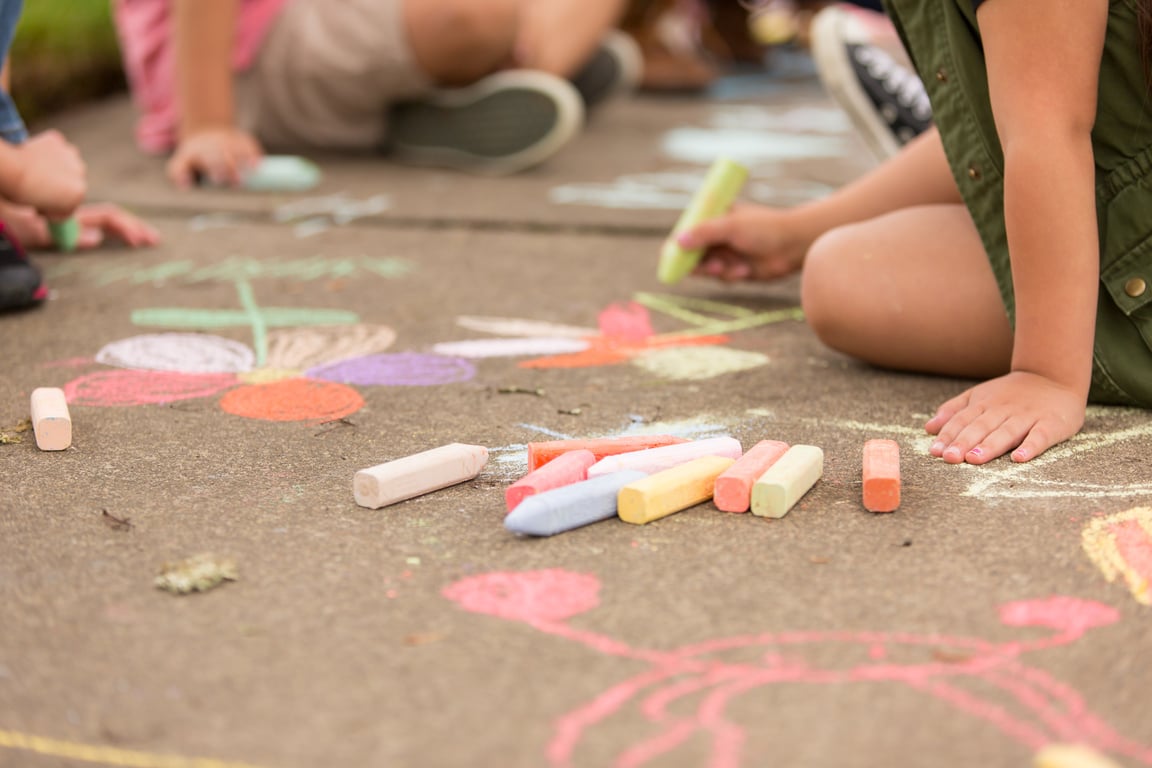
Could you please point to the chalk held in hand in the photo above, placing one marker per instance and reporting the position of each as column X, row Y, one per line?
column 568, row 468
column 720, row 189
column 65, row 233
column 418, row 474
column 50, row 419
column 881, row 472
column 653, row 460
column 545, row 451
column 573, row 506
column 672, row 490
column 734, row 488
column 786, row 481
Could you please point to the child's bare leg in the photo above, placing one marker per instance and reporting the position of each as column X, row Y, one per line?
column 911, row 290
column 456, row 42
column 459, row 41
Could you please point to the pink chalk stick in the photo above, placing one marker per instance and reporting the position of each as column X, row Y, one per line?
column 733, row 492
column 565, row 469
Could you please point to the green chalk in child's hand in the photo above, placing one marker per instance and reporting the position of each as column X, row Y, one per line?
column 65, row 234
column 720, row 189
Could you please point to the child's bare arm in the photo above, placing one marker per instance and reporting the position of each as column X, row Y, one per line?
column 1044, row 117
column 210, row 143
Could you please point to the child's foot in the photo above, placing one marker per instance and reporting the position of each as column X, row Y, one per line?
column 614, row 70
column 20, row 285
column 501, row 124
column 885, row 101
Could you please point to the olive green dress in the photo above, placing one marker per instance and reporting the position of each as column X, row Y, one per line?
column 943, row 40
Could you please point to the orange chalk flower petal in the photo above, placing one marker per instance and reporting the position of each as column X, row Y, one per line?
column 293, row 400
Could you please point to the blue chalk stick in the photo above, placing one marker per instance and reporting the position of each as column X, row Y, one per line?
column 282, row 173
column 571, row 506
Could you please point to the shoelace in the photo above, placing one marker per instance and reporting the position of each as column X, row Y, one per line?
column 900, row 82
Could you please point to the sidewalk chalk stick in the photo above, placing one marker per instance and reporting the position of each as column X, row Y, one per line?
column 282, row 173
column 720, row 188
column 543, row 452
column 65, row 234
column 568, row 468
column 786, row 481
column 573, row 506
column 734, row 487
column 672, row 490
column 418, row 474
column 1071, row 756
column 653, row 460
column 881, row 472
column 51, row 421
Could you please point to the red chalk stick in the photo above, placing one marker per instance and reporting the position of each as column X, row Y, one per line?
column 541, row 453
column 881, row 475
column 733, row 491
column 565, row 469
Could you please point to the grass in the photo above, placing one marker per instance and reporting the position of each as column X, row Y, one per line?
column 65, row 53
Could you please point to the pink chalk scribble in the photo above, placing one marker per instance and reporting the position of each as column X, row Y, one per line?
column 1025, row 703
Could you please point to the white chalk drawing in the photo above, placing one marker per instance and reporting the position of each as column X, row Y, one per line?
column 697, row 363
column 518, row 347
column 673, row 191
column 184, row 352
column 752, row 148
column 514, row 326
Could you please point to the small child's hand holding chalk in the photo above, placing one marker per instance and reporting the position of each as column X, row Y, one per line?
column 751, row 242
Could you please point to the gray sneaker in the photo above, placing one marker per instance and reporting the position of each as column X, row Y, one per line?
column 499, row 125
column 614, row 70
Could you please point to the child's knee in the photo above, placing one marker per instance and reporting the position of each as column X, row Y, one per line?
column 458, row 41
column 825, row 288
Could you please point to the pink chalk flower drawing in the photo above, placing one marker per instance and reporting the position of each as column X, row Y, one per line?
column 982, row 679
column 301, row 374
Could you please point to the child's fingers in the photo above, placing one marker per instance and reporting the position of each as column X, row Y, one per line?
column 945, row 413
column 977, row 429
column 707, row 233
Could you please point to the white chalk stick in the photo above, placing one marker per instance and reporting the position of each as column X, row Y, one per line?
column 418, row 474
column 653, row 460
column 50, row 419
column 786, row 481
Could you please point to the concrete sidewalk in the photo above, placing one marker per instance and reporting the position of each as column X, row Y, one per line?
column 225, row 387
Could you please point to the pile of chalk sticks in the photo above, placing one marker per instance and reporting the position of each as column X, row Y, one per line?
column 573, row 483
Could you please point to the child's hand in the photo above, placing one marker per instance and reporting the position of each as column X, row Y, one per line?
column 1024, row 411
column 50, row 175
column 749, row 243
column 221, row 156
column 98, row 223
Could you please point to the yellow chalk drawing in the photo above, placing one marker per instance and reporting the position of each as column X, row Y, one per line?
column 91, row 753
column 1121, row 547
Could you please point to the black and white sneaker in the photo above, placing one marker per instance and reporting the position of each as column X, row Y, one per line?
column 501, row 124
column 885, row 100
column 614, row 70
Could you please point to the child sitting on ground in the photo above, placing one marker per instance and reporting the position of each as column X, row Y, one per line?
column 43, row 177
column 1010, row 242
column 472, row 84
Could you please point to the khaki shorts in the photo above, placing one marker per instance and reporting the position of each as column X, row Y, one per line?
column 326, row 73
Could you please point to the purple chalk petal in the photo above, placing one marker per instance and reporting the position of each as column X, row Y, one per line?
column 403, row 369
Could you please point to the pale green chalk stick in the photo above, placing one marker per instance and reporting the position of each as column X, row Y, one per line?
column 715, row 196
column 65, row 234
column 782, row 484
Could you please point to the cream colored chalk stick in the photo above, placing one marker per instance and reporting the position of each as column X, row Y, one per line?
column 418, row 474
column 1071, row 756
column 786, row 481
column 671, row 490
column 50, row 419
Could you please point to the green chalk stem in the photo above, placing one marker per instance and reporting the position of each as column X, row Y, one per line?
column 65, row 234
column 721, row 186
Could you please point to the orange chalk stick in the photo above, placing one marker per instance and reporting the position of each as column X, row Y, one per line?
column 541, row 453
column 733, row 491
column 565, row 469
column 881, row 475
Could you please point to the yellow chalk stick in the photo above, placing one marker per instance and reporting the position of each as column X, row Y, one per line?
column 1071, row 756
column 671, row 490
column 786, row 481
column 715, row 196
column 50, row 419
